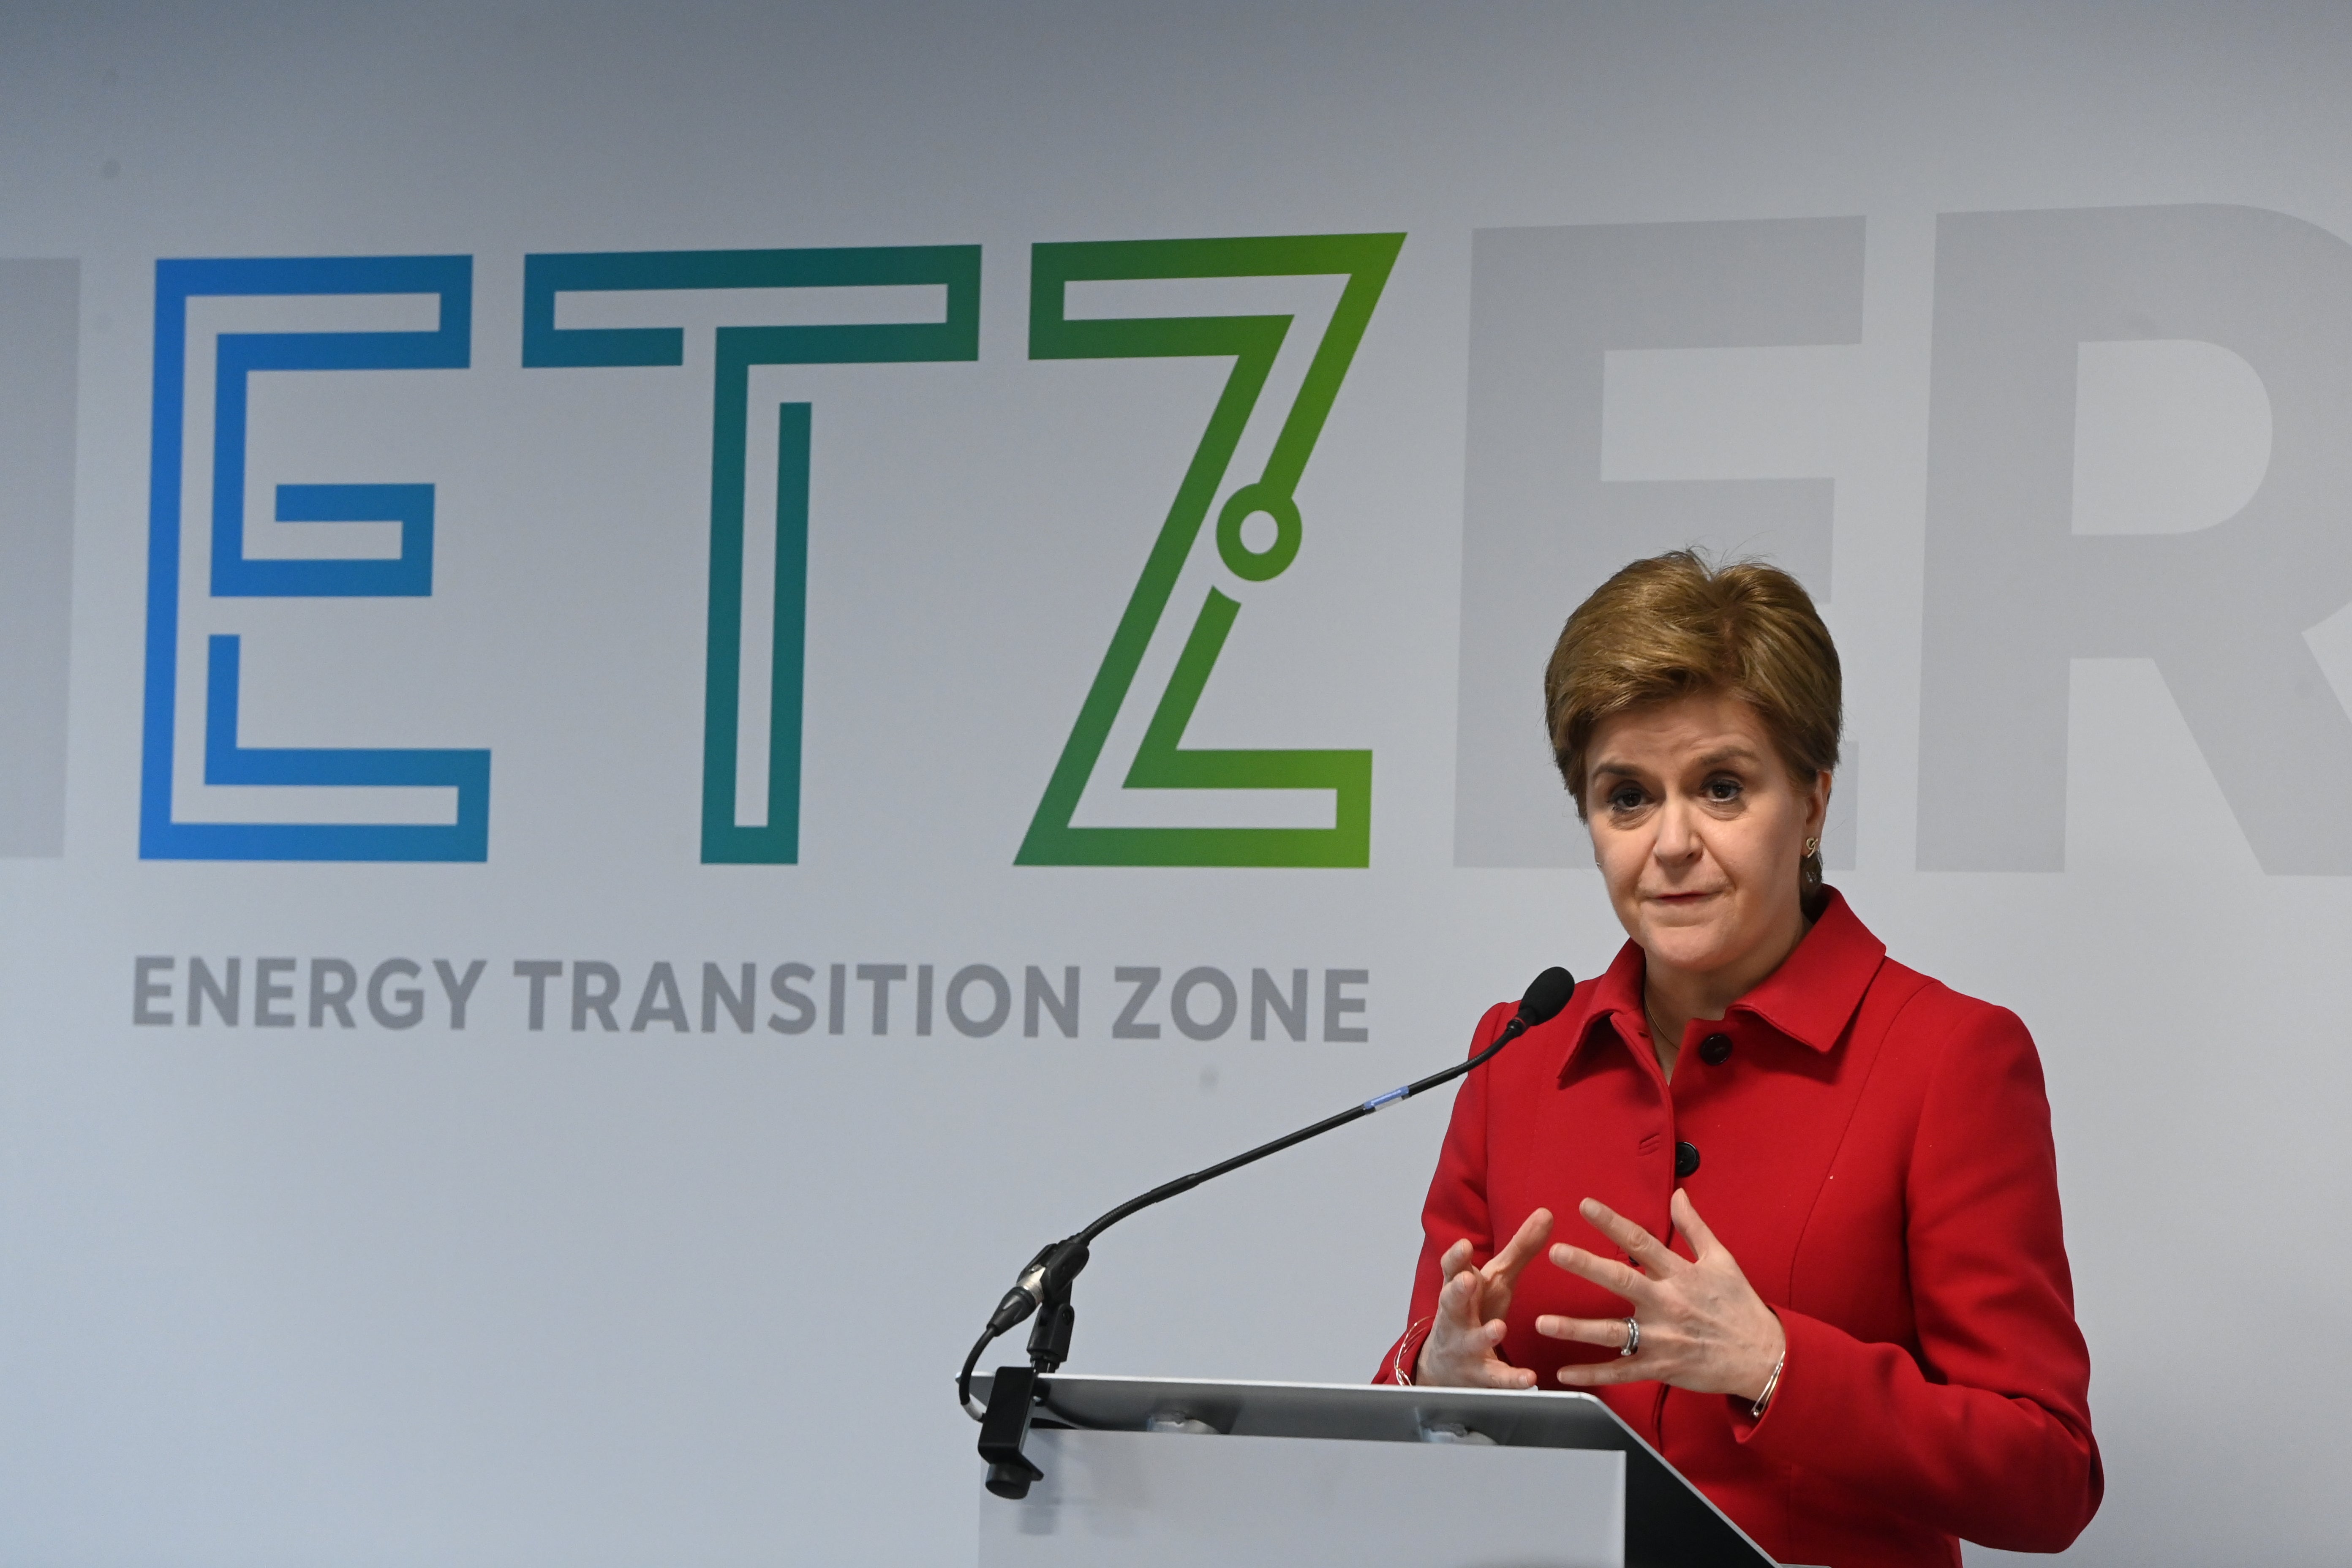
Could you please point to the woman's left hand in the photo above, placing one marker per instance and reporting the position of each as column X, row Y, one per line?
column 1704, row 1328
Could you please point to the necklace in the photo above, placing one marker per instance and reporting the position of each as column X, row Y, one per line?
column 1657, row 1034
column 1667, row 1054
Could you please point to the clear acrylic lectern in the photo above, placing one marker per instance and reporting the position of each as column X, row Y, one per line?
column 1154, row 1473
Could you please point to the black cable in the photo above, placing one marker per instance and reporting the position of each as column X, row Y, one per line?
column 963, row 1379
column 1378, row 1103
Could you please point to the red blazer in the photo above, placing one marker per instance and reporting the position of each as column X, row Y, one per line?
column 1875, row 1150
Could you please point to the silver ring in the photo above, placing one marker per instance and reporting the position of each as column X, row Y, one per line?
column 1632, row 1338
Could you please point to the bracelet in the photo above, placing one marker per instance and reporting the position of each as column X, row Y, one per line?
column 1755, row 1411
column 1396, row 1363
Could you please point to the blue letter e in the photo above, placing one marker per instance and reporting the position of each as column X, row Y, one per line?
column 234, row 574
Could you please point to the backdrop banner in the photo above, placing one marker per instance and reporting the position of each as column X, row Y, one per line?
column 674, row 679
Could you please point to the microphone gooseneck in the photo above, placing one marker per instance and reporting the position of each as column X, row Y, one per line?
column 1044, row 1282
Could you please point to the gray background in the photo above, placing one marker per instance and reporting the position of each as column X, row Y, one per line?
column 41, row 320
column 498, row 1297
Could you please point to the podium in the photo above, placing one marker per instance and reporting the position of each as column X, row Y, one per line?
column 1155, row 1473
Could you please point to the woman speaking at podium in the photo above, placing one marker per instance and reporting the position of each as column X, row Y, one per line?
column 1790, row 1209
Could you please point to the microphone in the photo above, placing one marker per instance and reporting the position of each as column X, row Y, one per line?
column 1044, row 1282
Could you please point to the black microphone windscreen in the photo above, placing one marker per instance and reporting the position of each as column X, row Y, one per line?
column 1547, row 996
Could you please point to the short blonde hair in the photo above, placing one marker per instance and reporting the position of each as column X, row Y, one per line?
column 1676, row 624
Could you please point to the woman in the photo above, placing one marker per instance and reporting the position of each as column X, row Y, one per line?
column 1866, row 1348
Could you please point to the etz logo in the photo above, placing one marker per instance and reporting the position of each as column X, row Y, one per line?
column 199, row 373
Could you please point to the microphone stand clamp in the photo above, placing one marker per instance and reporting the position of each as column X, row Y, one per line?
column 1015, row 1392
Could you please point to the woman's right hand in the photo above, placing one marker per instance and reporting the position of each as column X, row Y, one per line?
column 1460, row 1350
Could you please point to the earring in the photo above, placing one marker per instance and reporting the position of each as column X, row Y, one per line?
column 1812, row 848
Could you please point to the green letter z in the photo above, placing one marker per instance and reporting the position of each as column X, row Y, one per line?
column 1252, row 342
